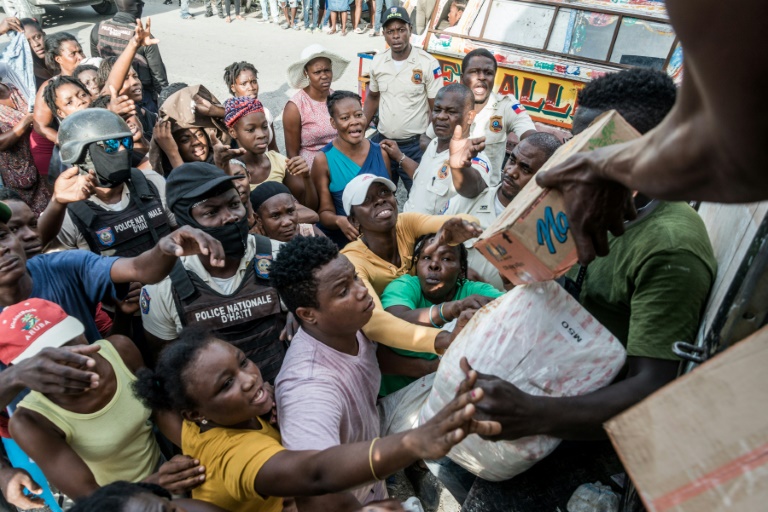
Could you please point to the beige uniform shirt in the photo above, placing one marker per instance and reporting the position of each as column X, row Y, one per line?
column 502, row 115
column 433, row 182
column 484, row 209
column 70, row 237
column 403, row 105
column 158, row 309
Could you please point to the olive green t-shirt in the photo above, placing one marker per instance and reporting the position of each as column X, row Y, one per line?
column 652, row 287
column 406, row 291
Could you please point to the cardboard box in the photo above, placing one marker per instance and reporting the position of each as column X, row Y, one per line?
column 701, row 443
column 530, row 241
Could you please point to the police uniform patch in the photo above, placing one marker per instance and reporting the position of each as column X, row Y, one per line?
column 496, row 124
column 263, row 264
column 144, row 301
column 106, row 236
column 443, row 172
column 417, row 77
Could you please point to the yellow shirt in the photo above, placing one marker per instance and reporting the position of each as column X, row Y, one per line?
column 232, row 459
column 376, row 274
column 277, row 172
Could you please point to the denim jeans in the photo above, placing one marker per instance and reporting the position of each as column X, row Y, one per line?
column 380, row 6
column 313, row 5
column 184, row 8
column 272, row 4
column 326, row 16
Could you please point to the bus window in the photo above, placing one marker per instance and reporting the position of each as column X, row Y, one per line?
column 519, row 23
column 643, row 43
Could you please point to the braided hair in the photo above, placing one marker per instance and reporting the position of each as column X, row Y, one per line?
column 49, row 93
column 421, row 242
column 232, row 71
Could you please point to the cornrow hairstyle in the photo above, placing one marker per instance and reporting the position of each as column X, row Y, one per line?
column 49, row 93
column 293, row 271
column 460, row 4
column 116, row 496
column 478, row 52
column 8, row 194
column 53, row 44
column 337, row 96
column 421, row 242
column 163, row 388
column 232, row 71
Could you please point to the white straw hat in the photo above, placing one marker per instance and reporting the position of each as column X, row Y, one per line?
column 295, row 75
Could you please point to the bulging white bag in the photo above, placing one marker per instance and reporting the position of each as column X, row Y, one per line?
column 543, row 341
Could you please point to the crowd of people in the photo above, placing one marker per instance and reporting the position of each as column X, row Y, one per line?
column 190, row 314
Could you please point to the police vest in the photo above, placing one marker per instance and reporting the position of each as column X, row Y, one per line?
column 112, row 40
column 126, row 233
column 250, row 318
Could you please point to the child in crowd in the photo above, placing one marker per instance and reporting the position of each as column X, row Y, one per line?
column 435, row 296
column 276, row 214
column 242, row 79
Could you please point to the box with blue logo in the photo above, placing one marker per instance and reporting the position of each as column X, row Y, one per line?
column 531, row 240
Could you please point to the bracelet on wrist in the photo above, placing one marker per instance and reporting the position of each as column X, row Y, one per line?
column 441, row 313
column 400, row 162
column 431, row 316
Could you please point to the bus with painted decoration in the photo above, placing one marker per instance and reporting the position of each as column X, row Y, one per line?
column 548, row 49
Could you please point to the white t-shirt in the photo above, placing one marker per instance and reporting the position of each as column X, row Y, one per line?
column 433, row 184
column 158, row 309
column 70, row 236
column 327, row 398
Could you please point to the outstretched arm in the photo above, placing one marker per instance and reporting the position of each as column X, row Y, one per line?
column 141, row 37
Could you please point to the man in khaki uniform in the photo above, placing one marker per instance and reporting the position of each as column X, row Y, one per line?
column 523, row 162
column 404, row 83
column 497, row 114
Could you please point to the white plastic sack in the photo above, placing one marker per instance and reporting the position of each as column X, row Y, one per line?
column 540, row 339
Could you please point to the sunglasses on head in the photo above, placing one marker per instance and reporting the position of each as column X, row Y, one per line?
column 113, row 145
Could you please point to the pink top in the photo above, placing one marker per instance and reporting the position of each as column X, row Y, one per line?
column 326, row 398
column 316, row 129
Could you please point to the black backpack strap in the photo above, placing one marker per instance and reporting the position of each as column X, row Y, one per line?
column 181, row 281
column 83, row 217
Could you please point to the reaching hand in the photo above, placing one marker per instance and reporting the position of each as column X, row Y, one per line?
column 454, row 308
column 71, row 186
column 504, row 404
column 297, row 166
column 142, row 35
column 223, row 154
column 163, row 136
column 13, row 482
column 594, row 205
column 59, row 370
column 10, row 23
column 453, row 422
column 455, row 231
column 121, row 105
column 189, row 241
column 202, row 105
column 347, row 228
column 392, row 149
column 463, row 150
column 179, row 475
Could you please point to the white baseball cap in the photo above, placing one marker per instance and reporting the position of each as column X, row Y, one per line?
column 356, row 190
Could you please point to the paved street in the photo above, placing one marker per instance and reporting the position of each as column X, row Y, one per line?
column 197, row 51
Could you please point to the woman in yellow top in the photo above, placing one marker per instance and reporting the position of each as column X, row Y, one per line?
column 248, row 125
column 224, row 402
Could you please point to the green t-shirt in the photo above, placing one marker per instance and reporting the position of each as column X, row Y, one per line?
column 406, row 291
column 651, row 289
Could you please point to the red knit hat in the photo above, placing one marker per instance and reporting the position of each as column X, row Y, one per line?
column 28, row 327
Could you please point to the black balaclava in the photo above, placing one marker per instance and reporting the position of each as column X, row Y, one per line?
column 134, row 7
column 112, row 169
column 233, row 237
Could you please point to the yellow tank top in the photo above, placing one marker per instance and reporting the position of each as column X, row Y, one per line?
column 116, row 442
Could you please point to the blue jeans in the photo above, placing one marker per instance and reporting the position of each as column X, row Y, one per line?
column 314, row 5
column 272, row 4
column 326, row 16
column 412, row 151
column 380, row 6
column 184, row 8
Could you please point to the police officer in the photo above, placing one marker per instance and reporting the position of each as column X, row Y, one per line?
column 404, row 83
column 235, row 302
column 110, row 37
column 497, row 115
column 126, row 214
